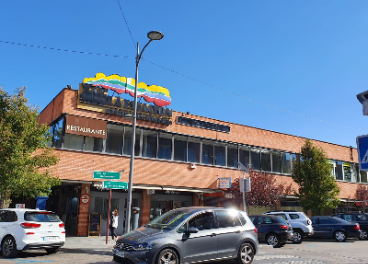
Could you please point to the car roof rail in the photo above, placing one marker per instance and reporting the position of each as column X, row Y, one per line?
column 281, row 211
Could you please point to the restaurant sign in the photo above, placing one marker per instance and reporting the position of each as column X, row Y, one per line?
column 85, row 126
column 94, row 95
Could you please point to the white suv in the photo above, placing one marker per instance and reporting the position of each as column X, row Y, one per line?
column 302, row 225
column 23, row 229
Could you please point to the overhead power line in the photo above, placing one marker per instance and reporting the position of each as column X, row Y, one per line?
column 190, row 78
column 126, row 23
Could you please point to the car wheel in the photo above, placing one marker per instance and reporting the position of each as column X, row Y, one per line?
column 340, row 236
column 363, row 235
column 298, row 237
column 52, row 250
column 245, row 254
column 168, row 256
column 9, row 247
column 273, row 240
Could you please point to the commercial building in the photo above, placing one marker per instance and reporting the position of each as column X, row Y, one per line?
column 179, row 157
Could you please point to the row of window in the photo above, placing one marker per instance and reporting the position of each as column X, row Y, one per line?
column 167, row 146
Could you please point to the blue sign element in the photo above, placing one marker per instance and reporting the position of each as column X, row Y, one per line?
column 362, row 143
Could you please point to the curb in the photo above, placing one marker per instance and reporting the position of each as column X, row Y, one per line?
column 86, row 251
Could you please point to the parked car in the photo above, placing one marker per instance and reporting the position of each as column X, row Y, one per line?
column 302, row 225
column 273, row 230
column 190, row 234
column 360, row 218
column 334, row 227
column 24, row 229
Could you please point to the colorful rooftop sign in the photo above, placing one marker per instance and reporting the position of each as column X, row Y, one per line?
column 158, row 95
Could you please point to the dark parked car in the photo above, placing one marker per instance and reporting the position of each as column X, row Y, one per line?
column 273, row 230
column 334, row 227
column 360, row 218
column 190, row 234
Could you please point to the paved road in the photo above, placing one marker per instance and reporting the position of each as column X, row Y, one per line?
column 309, row 252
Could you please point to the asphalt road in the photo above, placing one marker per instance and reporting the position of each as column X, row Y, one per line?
column 309, row 252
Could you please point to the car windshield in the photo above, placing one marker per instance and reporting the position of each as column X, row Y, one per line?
column 170, row 220
column 41, row 217
column 338, row 219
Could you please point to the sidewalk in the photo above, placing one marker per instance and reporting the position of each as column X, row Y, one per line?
column 88, row 245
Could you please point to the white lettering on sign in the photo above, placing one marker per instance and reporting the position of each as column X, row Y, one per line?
column 86, row 130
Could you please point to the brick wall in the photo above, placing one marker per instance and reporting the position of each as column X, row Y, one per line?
column 146, row 207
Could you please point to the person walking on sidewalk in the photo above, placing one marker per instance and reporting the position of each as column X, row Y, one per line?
column 114, row 224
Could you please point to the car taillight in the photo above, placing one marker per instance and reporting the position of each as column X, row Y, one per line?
column 30, row 225
column 308, row 222
column 61, row 225
column 357, row 227
column 255, row 230
column 284, row 227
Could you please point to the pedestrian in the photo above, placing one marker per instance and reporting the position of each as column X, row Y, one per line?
column 114, row 224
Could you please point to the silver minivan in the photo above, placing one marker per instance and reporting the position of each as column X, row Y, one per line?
column 190, row 234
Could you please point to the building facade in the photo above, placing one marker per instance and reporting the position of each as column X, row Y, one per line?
column 179, row 157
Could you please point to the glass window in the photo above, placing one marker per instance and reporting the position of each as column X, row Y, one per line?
column 332, row 166
column 127, row 148
column 41, row 217
column 338, row 170
column 265, row 161
column 276, row 162
column 242, row 219
column 294, row 216
column 58, row 129
column 102, row 205
column 149, row 144
column 73, row 142
column 180, row 148
column 255, row 160
column 227, row 219
column 232, row 156
column 244, row 156
column 347, row 171
column 324, row 220
column 286, row 163
column 357, row 173
column 165, row 146
column 282, row 215
column 8, row 216
column 202, row 221
column 207, row 152
column 220, row 156
column 194, row 147
column 363, row 176
column 114, row 139
column 93, row 144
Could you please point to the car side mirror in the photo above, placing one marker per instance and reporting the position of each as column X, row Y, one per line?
column 192, row 230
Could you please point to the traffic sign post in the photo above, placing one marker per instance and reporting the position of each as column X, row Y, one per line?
column 115, row 185
column 362, row 144
column 106, row 175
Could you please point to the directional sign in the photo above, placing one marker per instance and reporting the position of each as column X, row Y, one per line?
column 115, row 185
column 362, row 143
column 106, row 175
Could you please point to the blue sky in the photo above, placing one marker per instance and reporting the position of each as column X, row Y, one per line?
column 293, row 67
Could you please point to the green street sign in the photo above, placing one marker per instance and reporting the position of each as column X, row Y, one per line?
column 115, row 185
column 106, row 175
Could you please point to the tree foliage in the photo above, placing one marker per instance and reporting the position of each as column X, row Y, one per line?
column 361, row 195
column 318, row 189
column 25, row 155
column 264, row 192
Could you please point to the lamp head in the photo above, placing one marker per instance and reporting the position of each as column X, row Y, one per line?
column 155, row 35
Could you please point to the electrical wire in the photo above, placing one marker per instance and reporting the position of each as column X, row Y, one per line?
column 126, row 23
column 192, row 79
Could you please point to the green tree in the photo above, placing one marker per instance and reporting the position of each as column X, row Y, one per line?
column 318, row 189
column 25, row 155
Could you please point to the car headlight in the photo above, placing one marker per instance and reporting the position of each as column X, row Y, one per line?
column 143, row 246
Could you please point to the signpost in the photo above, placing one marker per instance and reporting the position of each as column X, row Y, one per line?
column 106, row 175
column 362, row 143
column 115, row 185
column 224, row 183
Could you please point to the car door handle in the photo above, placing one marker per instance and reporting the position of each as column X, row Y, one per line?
column 238, row 231
column 213, row 234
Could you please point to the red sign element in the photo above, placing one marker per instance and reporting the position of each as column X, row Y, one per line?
column 85, row 198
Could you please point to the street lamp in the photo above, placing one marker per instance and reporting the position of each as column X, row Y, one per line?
column 152, row 35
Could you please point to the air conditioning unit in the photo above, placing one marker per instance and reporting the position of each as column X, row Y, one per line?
column 193, row 166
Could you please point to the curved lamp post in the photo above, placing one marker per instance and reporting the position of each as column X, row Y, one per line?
column 152, row 35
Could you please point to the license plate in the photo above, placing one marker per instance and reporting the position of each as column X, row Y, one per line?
column 119, row 253
column 50, row 238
